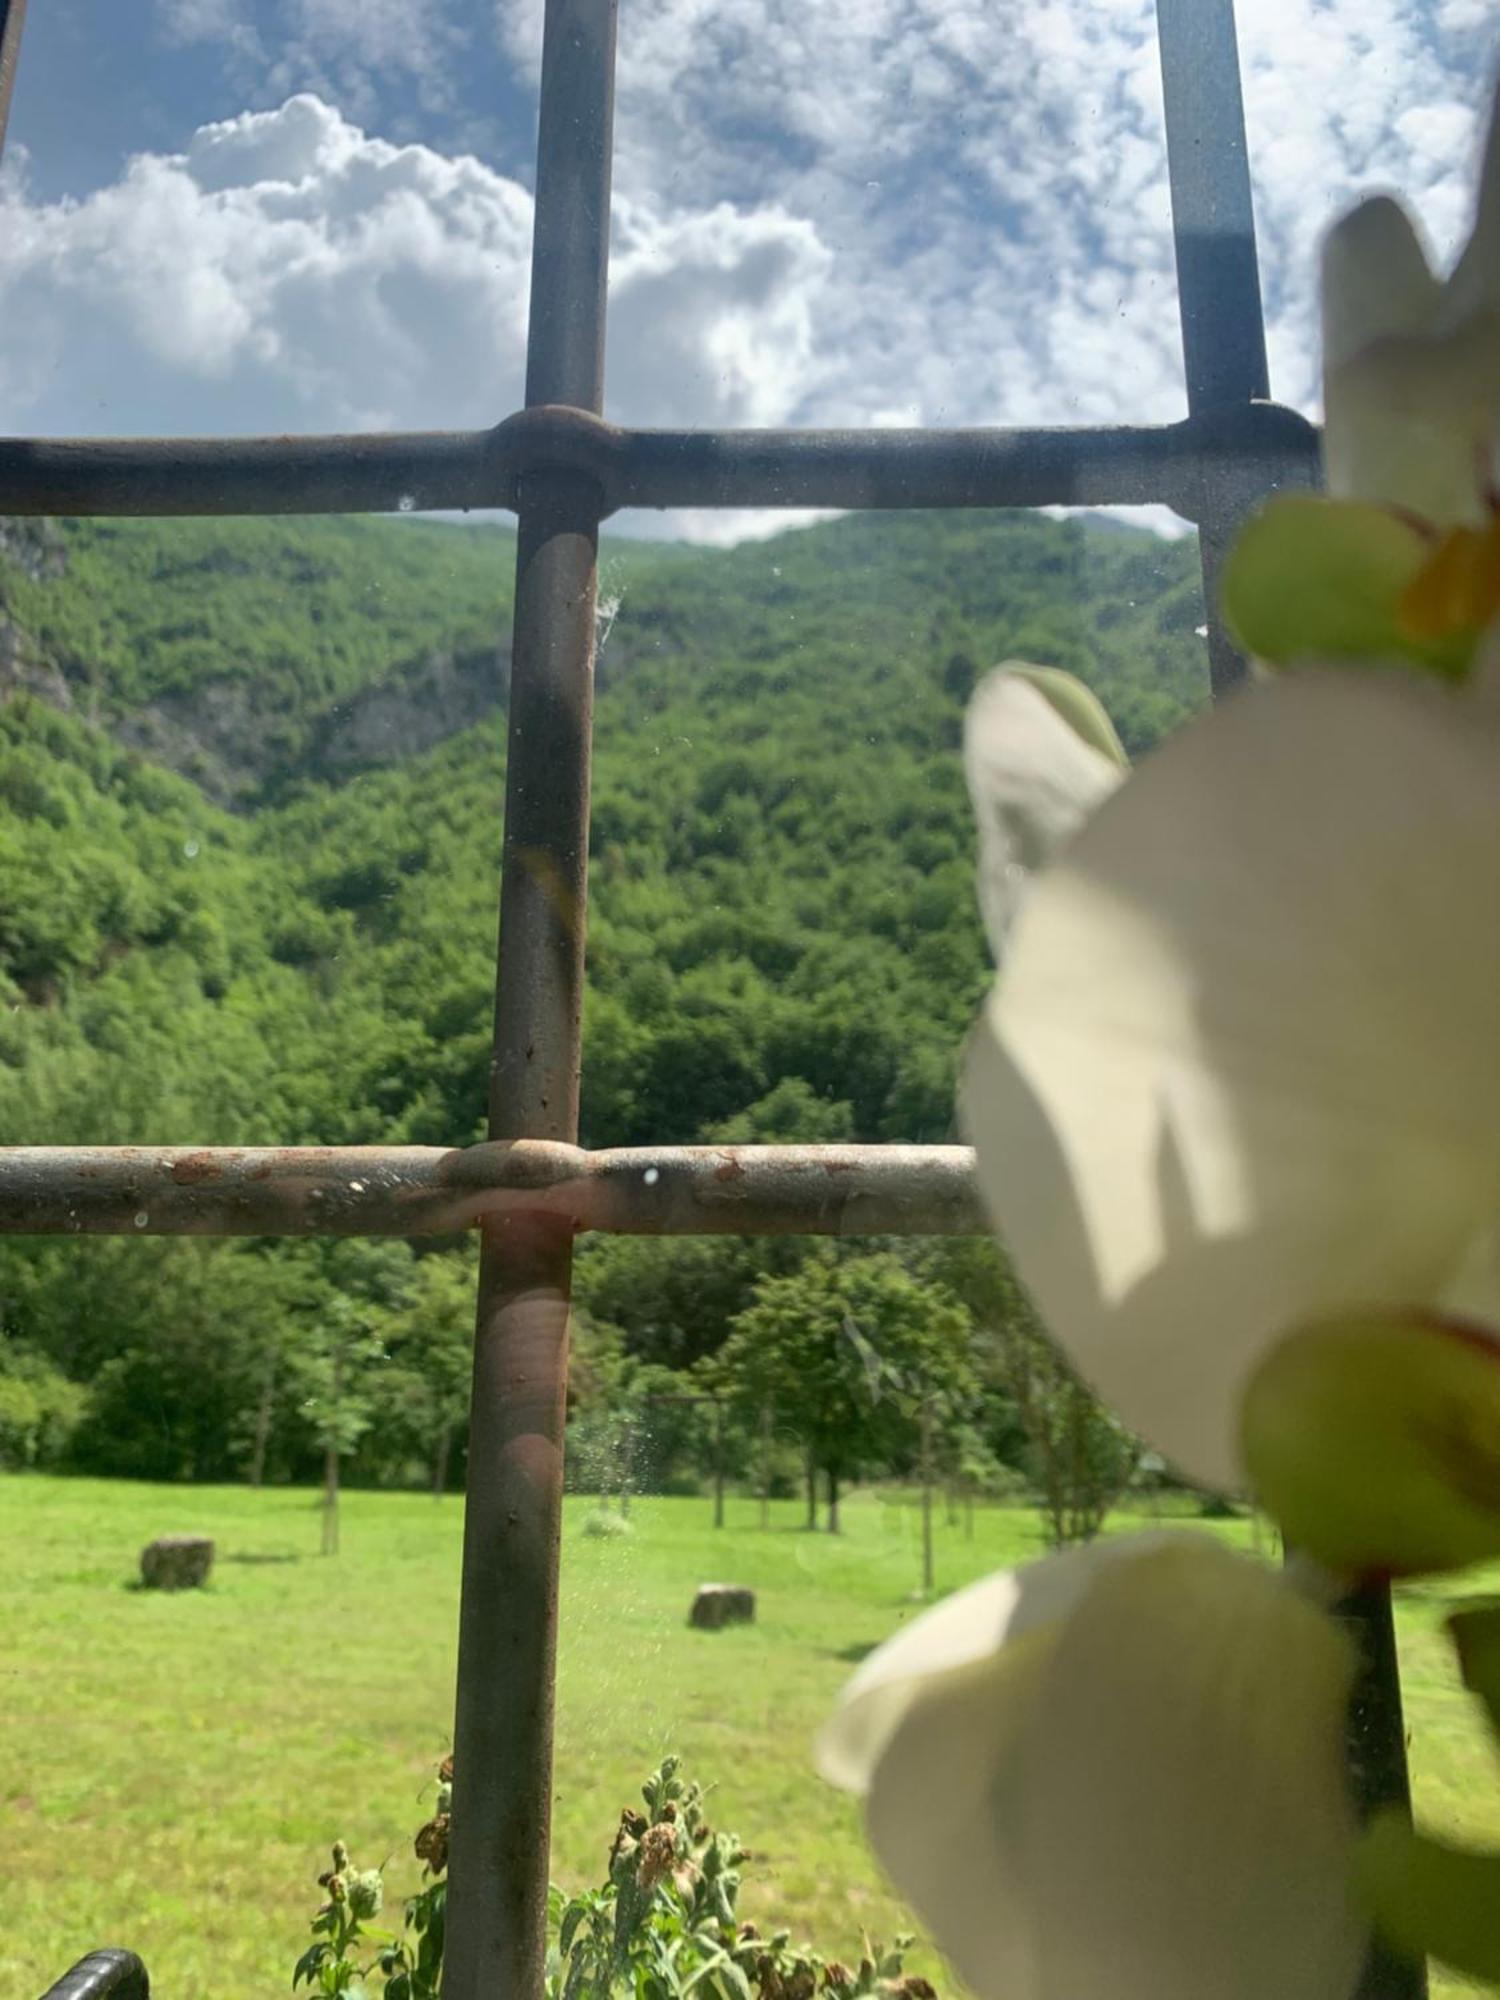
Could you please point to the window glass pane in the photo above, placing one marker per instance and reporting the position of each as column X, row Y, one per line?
column 251, row 787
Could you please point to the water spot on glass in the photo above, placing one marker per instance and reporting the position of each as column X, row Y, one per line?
column 651, row 1176
column 406, row 503
column 190, row 849
column 141, row 1219
column 1014, row 873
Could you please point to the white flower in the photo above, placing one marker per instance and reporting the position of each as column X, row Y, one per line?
column 1411, row 364
column 1117, row 1771
column 1041, row 755
column 1241, row 1069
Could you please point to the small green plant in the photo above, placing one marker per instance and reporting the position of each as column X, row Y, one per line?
column 411, row 1965
column 604, row 1525
column 331, row 1962
column 663, row 1925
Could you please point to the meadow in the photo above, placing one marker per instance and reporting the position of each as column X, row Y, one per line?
column 173, row 1768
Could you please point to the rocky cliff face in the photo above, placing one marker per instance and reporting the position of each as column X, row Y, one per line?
column 38, row 550
column 219, row 735
column 418, row 705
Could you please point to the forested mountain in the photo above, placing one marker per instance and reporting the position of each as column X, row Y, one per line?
column 250, row 807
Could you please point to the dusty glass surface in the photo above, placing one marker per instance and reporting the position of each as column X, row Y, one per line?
column 250, row 806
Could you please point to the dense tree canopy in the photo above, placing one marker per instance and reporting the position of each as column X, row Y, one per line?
column 250, row 805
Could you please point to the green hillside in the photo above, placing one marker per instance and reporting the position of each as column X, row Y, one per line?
column 250, row 808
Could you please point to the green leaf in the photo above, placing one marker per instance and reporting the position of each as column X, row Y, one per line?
column 1425, row 1897
column 1373, row 1440
column 1475, row 1631
column 568, row 1929
column 309, row 1962
column 1309, row 579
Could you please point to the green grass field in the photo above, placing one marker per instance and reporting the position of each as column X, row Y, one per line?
column 174, row 1767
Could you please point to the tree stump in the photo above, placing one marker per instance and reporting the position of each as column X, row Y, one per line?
column 720, row 1604
column 177, row 1562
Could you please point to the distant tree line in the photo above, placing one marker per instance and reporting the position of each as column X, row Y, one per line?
column 215, row 931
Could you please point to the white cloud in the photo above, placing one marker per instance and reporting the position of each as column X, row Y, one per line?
column 915, row 211
column 989, row 176
column 198, row 20
column 713, row 311
column 289, row 272
column 348, row 50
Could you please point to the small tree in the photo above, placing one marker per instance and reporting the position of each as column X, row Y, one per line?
column 1078, row 1459
column 337, row 1341
column 845, row 1350
column 335, row 1352
column 431, row 1339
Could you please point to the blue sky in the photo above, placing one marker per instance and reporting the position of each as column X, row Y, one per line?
column 245, row 215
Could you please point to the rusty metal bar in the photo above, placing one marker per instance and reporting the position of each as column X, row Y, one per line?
column 372, row 473
column 1178, row 465
column 496, row 1942
column 1218, row 283
column 1224, row 356
column 435, row 1190
column 1213, row 217
column 1377, row 1756
column 12, row 21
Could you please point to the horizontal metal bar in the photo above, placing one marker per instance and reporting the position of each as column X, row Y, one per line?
column 396, row 473
column 433, row 1191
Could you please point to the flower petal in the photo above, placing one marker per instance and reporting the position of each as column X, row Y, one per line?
column 1411, row 368
column 1200, row 1687
column 1236, row 1074
column 1145, row 1799
column 1040, row 755
column 1390, row 432
column 963, row 1630
column 1378, row 282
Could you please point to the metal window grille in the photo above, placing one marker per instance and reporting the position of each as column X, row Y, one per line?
column 530, row 1189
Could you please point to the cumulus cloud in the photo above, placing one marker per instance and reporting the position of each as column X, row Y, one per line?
column 287, row 271
column 888, row 211
column 990, row 175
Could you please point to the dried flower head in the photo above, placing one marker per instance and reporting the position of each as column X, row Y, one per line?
column 432, row 1842
column 658, row 1853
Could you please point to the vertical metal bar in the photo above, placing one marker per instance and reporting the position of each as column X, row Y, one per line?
column 1377, row 1754
column 1224, row 355
column 1213, row 219
column 12, row 21
column 497, row 1906
column 1218, row 276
